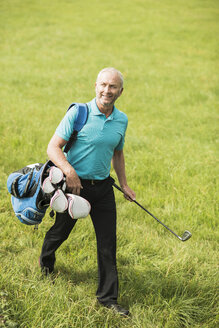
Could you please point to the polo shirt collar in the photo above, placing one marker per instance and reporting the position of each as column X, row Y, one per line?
column 96, row 111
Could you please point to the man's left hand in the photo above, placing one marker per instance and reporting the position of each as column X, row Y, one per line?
column 129, row 194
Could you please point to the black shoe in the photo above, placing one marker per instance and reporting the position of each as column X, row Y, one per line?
column 46, row 271
column 117, row 308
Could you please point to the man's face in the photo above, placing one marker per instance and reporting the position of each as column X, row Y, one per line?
column 108, row 88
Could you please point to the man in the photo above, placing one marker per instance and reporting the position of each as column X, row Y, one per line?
column 87, row 169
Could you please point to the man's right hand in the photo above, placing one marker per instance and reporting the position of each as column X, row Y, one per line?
column 73, row 183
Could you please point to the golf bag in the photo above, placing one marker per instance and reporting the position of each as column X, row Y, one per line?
column 28, row 199
column 37, row 186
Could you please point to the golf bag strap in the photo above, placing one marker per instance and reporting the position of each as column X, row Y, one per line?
column 80, row 121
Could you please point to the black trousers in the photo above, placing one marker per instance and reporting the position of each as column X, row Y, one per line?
column 103, row 214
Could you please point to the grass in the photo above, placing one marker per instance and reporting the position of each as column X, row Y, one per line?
column 51, row 53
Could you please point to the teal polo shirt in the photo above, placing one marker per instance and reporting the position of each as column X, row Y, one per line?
column 93, row 150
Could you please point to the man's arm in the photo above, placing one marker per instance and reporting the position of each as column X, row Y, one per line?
column 119, row 166
column 57, row 156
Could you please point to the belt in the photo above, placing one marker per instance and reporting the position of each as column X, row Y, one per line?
column 92, row 182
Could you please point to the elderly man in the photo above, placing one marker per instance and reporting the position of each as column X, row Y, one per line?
column 87, row 170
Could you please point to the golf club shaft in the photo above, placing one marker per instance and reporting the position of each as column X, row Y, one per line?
column 117, row 187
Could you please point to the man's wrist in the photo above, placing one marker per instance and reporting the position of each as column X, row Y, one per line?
column 123, row 185
column 69, row 170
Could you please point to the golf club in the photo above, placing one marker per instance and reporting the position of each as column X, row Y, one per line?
column 186, row 235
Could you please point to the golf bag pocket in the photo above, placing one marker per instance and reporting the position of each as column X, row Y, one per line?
column 28, row 215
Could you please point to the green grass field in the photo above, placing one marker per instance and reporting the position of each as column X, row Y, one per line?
column 51, row 52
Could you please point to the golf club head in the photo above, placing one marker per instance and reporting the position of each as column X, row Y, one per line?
column 186, row 235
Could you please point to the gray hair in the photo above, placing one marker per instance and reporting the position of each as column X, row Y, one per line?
column 114, row 70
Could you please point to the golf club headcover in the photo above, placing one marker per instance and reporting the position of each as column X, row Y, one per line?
column 55, row 175
column 47, row 186
column 78, row 207
column 59, row 202
column 54, row 180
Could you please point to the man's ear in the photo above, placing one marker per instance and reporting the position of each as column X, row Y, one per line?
column 121, row 91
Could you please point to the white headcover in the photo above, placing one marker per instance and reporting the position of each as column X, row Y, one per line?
column 59, row 202
column 55, row 175
column 78, row 207
column 47, row 186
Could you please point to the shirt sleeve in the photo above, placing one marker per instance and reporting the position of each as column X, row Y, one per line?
column 66, row 126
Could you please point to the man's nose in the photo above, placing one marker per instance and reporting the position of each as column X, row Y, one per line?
column 107, row 88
